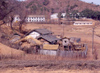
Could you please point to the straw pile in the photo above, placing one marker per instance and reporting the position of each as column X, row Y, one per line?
column 50, row 47
column 7, row 52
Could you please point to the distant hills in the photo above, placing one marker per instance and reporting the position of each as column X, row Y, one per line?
column 52, row 6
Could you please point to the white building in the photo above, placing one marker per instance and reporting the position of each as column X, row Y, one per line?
column 35, row 18
column 31, row 18
column 16, row 18
column 63, row 15
column 55, row 16
column 83, row 23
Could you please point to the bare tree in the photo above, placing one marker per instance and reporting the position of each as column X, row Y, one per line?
column 4, row 10
column 22, row 12
column 7, row 11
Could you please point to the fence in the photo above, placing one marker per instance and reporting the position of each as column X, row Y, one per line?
column 71, row 54
column 74, row 53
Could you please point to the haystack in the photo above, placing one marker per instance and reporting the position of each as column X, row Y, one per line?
column 50, row 47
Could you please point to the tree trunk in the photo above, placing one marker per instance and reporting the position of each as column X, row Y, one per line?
column 20, row 27
column 11, row 26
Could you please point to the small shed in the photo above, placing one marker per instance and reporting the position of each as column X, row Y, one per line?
column 65, row 41
column 75, row 39
column 49, row 49
column 15, row 38
column 68, row 43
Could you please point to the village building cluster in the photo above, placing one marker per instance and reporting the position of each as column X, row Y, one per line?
column 43, row 41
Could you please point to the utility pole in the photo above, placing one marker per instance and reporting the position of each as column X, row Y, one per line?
column 93, row 40
column 63, row 29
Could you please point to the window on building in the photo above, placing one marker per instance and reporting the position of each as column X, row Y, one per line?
column 17, row 17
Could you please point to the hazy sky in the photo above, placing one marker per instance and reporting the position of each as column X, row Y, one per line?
column 94, row 1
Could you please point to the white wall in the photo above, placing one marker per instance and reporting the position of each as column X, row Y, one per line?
column 34, row 34
column 48, row 52
column 35, row 19
column 83, row 23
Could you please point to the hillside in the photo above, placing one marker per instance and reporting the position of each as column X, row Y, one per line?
column 52, row 6
column 62, row 4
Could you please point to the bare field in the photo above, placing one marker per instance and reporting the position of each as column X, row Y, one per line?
column 36, row 66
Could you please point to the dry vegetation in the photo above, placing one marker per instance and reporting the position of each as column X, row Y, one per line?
column 83, row 32
column 7, row 52
column 36, row 63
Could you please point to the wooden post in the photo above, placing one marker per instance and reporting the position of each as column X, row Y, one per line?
column 93, row 40
column 63, row 29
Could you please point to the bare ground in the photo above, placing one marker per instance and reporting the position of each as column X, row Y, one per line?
column 30, row 66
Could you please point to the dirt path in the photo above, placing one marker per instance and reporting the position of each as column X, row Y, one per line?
column 33, row 70
column 51, row 65
column 30, row 66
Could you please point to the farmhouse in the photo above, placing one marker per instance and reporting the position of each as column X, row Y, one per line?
column 83, row 23
column 37, row 32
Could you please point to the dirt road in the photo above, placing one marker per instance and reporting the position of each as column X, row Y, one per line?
column 30, row 66
column 33, row 70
